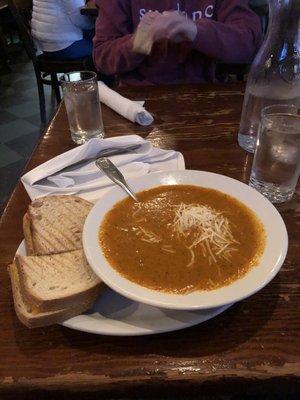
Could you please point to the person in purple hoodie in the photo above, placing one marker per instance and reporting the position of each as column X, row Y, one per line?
column 190, row 37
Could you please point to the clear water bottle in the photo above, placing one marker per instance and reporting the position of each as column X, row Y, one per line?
column 274, row 77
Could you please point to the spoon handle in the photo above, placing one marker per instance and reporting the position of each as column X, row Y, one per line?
column 109, row 168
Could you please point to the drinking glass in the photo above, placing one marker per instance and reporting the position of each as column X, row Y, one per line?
column 82, row 102
column 276, row 164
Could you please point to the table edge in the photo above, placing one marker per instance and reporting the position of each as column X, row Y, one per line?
column 89, row 382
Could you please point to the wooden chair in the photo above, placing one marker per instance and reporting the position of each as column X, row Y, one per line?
column 6, row 28
column 4, row 57
column 45, row 68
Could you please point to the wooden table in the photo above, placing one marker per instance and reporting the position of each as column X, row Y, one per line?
column 251, row 348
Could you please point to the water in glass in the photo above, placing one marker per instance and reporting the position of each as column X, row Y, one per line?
column 257, row 98
column 83, row 107
column 276, row 164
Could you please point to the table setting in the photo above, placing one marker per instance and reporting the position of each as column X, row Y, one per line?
column 151, row 246
column 149, row 149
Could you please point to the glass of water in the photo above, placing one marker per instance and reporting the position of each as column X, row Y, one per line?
column 276, row 164
column 82, row 102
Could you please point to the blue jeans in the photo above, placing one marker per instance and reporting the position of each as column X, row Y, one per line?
column 81, row 48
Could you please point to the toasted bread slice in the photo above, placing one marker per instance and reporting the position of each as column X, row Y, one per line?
column 53, row 224
column 31, row 316
column 57, row 281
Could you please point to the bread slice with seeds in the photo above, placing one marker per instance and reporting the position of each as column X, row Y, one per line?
column 31, row 316
column 53, row 224
column 58, row 280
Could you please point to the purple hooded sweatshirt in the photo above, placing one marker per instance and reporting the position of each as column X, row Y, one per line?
column 228, row 32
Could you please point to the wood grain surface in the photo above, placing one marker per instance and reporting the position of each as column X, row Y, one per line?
column 252, row 348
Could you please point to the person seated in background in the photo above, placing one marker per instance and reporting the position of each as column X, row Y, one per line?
column 183, row 40
column 59, row 29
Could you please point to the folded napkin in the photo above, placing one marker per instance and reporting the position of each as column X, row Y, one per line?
column 132, row 110
column 86, row 180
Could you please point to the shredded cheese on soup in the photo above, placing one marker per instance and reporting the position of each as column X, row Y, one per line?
column 208, row 228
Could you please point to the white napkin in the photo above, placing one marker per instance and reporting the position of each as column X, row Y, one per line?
column 132, row 110
column 87, row 181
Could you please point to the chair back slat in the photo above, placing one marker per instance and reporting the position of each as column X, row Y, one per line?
column 22, row 11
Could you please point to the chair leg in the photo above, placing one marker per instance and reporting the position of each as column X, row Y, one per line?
column 41, row 96
column 55, row 87
column 4, row 50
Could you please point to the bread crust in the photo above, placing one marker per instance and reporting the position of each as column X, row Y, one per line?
column 28, row 235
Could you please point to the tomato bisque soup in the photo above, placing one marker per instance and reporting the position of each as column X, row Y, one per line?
column 182, row 238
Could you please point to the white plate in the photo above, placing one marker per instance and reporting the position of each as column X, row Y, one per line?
column 115, row 315
column 270, row 263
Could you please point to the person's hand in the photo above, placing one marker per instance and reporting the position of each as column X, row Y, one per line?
column 171, row 25
column 154, row 27
column 148, row 19
column 142, row 39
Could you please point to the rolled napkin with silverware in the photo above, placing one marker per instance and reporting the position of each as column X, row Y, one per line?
column 75, row 171
column 132, row 110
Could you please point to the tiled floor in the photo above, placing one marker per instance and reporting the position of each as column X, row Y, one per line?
column 20, row 125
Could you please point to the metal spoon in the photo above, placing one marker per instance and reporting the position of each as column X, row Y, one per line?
column 109, row 168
